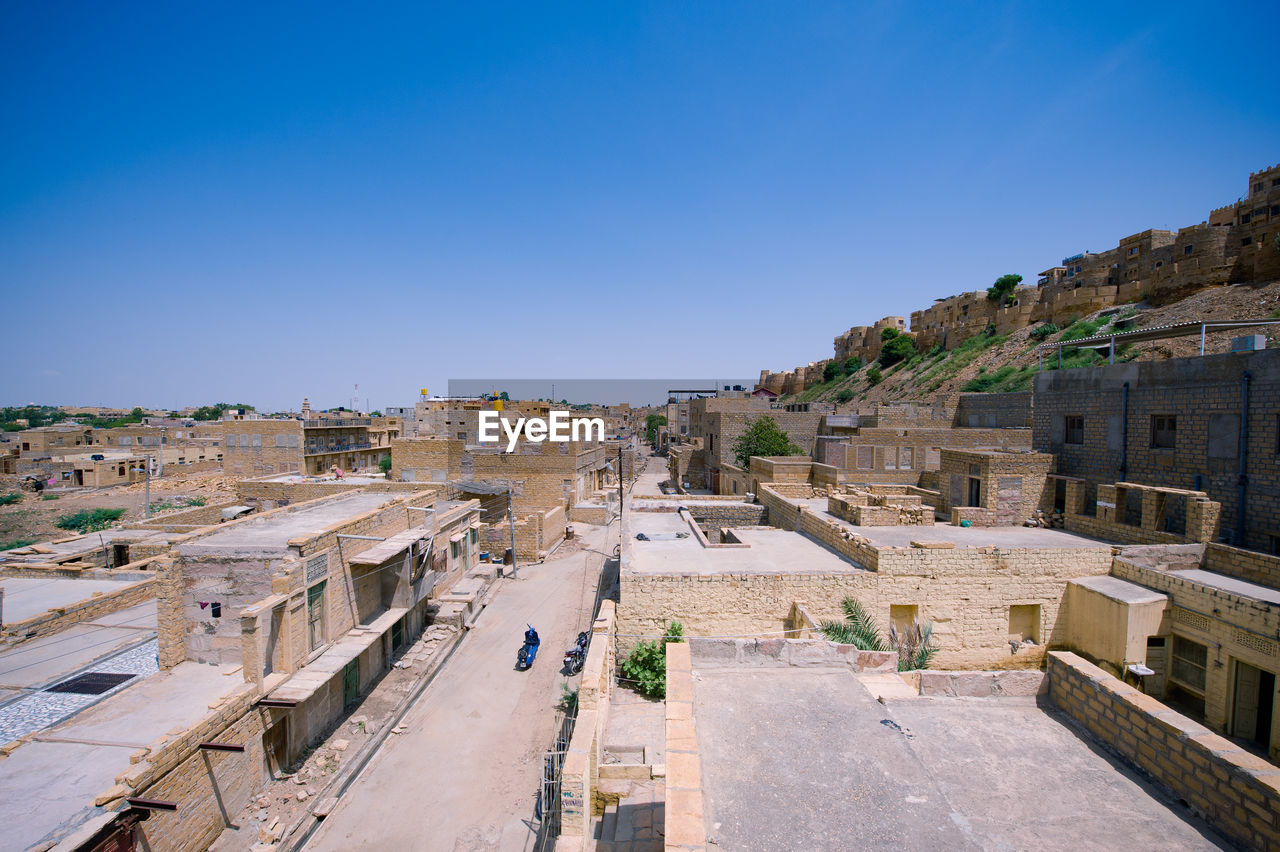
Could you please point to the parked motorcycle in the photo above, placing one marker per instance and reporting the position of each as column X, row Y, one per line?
column 577, row 655
column 529, row 649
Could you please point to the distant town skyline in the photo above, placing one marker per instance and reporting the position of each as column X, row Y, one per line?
column 196, row 208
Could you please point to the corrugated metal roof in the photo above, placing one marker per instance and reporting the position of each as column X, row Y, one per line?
column 1160, row 332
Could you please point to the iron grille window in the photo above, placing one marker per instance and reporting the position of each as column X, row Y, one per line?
column 1073, row 429
column 1190, row 659
column 1164, row 431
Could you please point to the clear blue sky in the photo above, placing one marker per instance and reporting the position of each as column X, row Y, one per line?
column 199, row 203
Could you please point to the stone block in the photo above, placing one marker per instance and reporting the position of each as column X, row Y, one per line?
column 1021, row 683
column 811, row 652
column 876, row 661
column 974, row 684
column 714, row 652
column 936, row 683
column 763, row 652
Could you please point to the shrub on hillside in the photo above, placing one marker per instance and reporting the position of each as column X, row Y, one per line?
column 897, row 349
column 89, row 520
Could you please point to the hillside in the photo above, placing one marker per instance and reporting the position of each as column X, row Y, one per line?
column 1006, row 363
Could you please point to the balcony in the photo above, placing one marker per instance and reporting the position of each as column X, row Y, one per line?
column 335, row 422
column 336, row 448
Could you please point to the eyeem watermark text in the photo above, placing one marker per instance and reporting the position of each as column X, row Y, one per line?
column 561, row 428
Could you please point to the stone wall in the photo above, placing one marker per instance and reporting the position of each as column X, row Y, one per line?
column 966, row 592
column 716, row 515
column 1234, row 627
column 1260, row 568
column 1011, row 485
column 578, row 790
column 95, row 606
column 210, row 788
column 1219, row 780
column 1203, row 395
column 541, row 476
column 684, row 827
column 259, row 447
column 186, row 519
column 901, row 455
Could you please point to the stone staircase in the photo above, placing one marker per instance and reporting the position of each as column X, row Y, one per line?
column 634, row 823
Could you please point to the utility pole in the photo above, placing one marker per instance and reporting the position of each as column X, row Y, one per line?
column 620, row 533
column 511, row 517
column 147, row 490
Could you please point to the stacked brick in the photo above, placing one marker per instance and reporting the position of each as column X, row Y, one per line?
column 1233, row 789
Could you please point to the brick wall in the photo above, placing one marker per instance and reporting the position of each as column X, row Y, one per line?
column 581, row 768
column 252, row 447
column 1247, row 565
column 542, row 475
column 684, row 827
column 1012, row 485
column 1235, row 627
column 1204, row 395
column 1231, row 788
column 210, row 788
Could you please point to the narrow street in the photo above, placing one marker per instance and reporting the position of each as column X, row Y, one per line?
column 465, row 774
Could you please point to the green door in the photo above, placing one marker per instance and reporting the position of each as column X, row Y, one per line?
column 351, row 682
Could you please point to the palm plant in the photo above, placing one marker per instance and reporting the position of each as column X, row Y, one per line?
column 858, row 628
column 914, row 645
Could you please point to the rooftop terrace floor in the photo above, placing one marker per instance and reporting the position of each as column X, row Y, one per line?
column 49, row 658
column 808, row 759
column 771, row 551
column 25, row 597
column 47, row 786
column 1215, row 581
column 269, row 534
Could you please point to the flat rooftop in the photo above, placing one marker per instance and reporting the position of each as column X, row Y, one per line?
column 1204, row 578
column 808, row 759
column 1007, row 537
column 1120, row 590
column 46, row 659
column 327, row 479
column 27, row 597
column 54, row 551
column 272, row 533
column 772, row 551
column 64, row 768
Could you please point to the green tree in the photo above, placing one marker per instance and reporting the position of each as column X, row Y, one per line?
column 503, row 396
column 651, row 424
column 830, row 371
column 1003, row 288
column 852, row 365
column 897, row 349
column 844, row 395
column 763, row 438
column 874, row 376
column 385, row 464
column 887, row 334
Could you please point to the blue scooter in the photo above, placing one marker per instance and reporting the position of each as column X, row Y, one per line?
column 529, row 649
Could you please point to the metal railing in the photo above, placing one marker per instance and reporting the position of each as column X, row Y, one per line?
column 331, row 422
column 337, row 448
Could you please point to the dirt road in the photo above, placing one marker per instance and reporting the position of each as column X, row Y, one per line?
column 465, row 775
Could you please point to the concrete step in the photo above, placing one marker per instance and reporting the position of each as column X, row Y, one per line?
column 624, row 827
column 609, row 822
